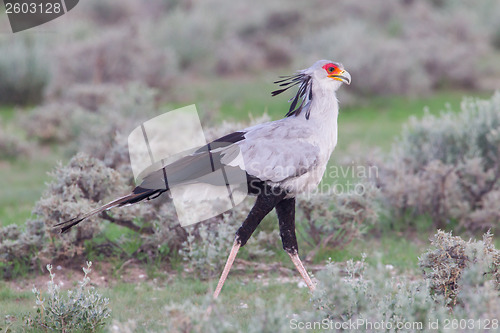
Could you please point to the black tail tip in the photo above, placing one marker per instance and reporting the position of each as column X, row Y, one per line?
column 67, row 225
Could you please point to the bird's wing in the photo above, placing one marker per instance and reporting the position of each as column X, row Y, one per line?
column 273, row 151
column 195, row 166
column 278, row 150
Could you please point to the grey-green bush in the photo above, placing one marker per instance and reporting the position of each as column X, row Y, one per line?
column 451, row 258
column 78, row 187
column 369, row 295
column 412, row 47
column 86, row 183
column 117, row 56
column 207, row 245
column 335, row 220
column 19, row 249
column 82, row 309
column 360, row 297
column 12, row 146
column 51, row 123
column 448, row 167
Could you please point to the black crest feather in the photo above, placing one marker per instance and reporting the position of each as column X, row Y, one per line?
column 304, row 93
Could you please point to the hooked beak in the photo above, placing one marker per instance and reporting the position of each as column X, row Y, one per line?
column 343, row 76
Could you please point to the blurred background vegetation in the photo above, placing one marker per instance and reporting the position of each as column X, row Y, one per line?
column 422, row 108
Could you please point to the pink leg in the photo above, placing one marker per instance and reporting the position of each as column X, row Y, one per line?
column 227, row 268
column 298, row 264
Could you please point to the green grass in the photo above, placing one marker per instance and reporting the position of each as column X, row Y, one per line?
column 145, row 303
column 22, row 184
column 22, row 181
column 7, row 113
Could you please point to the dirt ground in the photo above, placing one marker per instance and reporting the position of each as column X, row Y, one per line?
column 105, row 274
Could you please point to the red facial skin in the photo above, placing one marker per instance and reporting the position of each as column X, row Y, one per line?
column 331, row 69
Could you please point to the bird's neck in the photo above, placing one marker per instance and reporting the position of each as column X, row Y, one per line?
column 325, row 105
column 323, row 117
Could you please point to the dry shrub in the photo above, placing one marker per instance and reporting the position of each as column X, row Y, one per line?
column 448, row 167
column 86, row 183
column 398, row 47
column 334, row 221
column 208, row 243
column 51, row 123
column 451, row 258
column 93, row 119
column 369, row 295
column 356, row 297
column 91, row 96
column 19, row 249
column 104, row 133
column 80, row 186
column 117, row 56
column 12, row 146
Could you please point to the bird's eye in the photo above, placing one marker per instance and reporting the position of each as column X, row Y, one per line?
column 331, row 69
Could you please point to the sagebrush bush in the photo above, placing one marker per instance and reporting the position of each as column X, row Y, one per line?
column 270, row 315
column 355, row 297
column 207, row 246
column 118, row 56
column 451, row 259
column 92, row 96
column 336, row 220
column 360, row 293
column 86, row 183
column 25, row 70
column 78, row 187
column 51, row 123
column 370, row 296
column 413, row 46
column 82, row 309
column 19, row 249
column 204, row 252
column 12, row 146
column 448, row 167
column 93, row 119
column 120, row 112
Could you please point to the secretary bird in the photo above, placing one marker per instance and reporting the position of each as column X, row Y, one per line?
column 281, row 159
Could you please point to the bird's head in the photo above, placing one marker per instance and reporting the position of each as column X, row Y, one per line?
column 328, row 73
column 324, row 74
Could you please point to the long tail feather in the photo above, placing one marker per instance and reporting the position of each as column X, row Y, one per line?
column 137, row 195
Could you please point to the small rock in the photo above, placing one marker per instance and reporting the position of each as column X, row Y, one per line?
column 243, row 305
